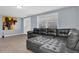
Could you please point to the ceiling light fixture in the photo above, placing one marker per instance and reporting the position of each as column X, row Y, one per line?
column 20, row 7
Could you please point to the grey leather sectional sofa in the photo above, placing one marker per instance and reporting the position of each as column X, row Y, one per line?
column 53, row 40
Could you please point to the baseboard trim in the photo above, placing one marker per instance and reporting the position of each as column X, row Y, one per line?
column 13, row 35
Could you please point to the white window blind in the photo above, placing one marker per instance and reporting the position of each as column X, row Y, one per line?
column 47, row 21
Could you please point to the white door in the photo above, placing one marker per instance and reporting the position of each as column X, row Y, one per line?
column 27, row 25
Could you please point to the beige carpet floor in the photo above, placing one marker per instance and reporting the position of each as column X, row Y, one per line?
column 14, row 44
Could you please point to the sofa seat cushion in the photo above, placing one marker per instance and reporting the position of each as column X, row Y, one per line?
column 39, row 40
column 53, row 45
column 36, row 42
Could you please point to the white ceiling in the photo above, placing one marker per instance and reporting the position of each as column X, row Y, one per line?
column 26, row 10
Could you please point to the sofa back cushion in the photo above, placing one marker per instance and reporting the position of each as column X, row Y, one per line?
column 73, row 39
column 51, row 32
column 42, row 31
column 36, row 30
column 63, row 32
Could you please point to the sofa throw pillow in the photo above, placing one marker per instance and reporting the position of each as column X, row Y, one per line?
column 73, row 39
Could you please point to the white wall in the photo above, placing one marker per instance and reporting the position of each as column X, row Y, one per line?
column 67, row 18
column 77, row 11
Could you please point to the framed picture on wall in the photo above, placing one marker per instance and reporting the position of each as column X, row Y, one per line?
column 8, row 23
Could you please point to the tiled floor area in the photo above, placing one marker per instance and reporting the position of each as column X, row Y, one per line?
column 14, row 44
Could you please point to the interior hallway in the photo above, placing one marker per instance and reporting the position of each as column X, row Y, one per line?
column 14, row 44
